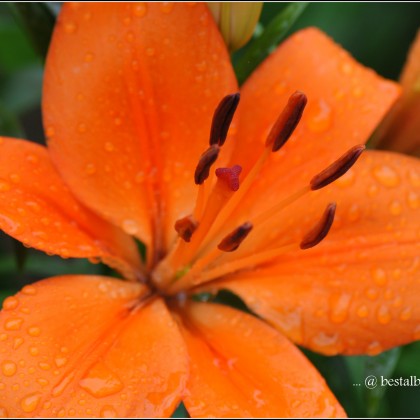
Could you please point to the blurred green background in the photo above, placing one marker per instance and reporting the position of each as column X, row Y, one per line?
column 377, row 34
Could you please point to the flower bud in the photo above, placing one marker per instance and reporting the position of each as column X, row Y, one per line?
column 236, row 21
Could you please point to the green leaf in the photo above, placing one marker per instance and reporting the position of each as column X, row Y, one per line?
column 261, row 47
column 21, row 91
column 21, row 254
column 9, row 125
column 368, row 373
column 38, row 19
column 181, row 412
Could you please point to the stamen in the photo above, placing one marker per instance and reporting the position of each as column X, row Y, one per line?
column 222, row 119
column 230, row 176
column 186, row 227
column 204, row 164
column 337, row 169
column 287, row 121
column 232, row 241
column 321, row 229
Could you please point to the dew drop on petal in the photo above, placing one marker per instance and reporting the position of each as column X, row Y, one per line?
column 413, row 200
column 34, row 331
column 374, row 348
column 140, row 9
column 90, row 169
column 101, row 382
column 339, row 307
column 18, row 341
column 62, row 385
column 3, row 413
column 4, row 186
column 30, row 402
column 70, row 27
column 10, row 303
column 29, row 290
column 8, row 368
column 166, row 7
column 319, row 116
column 386, row 176
column 33, row 351
column 13, row 324
column 362, row 311
column 395, row 208
column 383, row 315
column 108, row 412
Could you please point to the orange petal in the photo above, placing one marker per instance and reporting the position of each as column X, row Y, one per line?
column 346, row 101
column 128, row 103
column 37, row 208
column 241, row 367
column 75, row 346
column 399, row 131
column 357, row 291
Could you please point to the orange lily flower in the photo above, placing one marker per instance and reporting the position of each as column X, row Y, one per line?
column 399, row 130
column 129, row 98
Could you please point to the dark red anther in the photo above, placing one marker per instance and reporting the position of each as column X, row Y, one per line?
column 186, row 227
column 204, row 164
column 321, row 229
column 230, row 176
column 232, row 241
column 287, row 121
column 337, row 169
column 222, row 118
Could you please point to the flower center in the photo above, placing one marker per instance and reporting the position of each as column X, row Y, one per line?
column 202, row 251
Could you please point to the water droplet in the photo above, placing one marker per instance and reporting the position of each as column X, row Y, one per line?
column 34, row 331
column 70, row 27
column 379, row 276
column 166, row 7
column 10, row 303
column 319, row 116
column 353, row 213
column 30, row 402
column 32, row 159
column 89, row 56
column 60, row 361
column 383, row 315
column 372, row 293
column 340, row 307
column 109, row 147
column 4, row 186
column 62, row 385
column 13, row 324
column 44, row 366
column 43, row 382
column 101, row 382
column 108, row 412
column 413, row 200
column 33, row 351
column 386, row 176
column 3, row 413
column 395, row 208
column 346, row 68
column 15, row 178
column 150, row 52
column 17, row 343
column 405, row 314
column 29, row 290
column 374, row 348
column 326, row 342
column 90, row 169
column 130, row 226
column 140, row 10
column 8, row 368
column 362, row 311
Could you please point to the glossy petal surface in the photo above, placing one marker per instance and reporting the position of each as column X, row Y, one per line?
column 76, row 346
column 128, row 112
column 357, row 291
column 38, row 209
column 241, row 367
